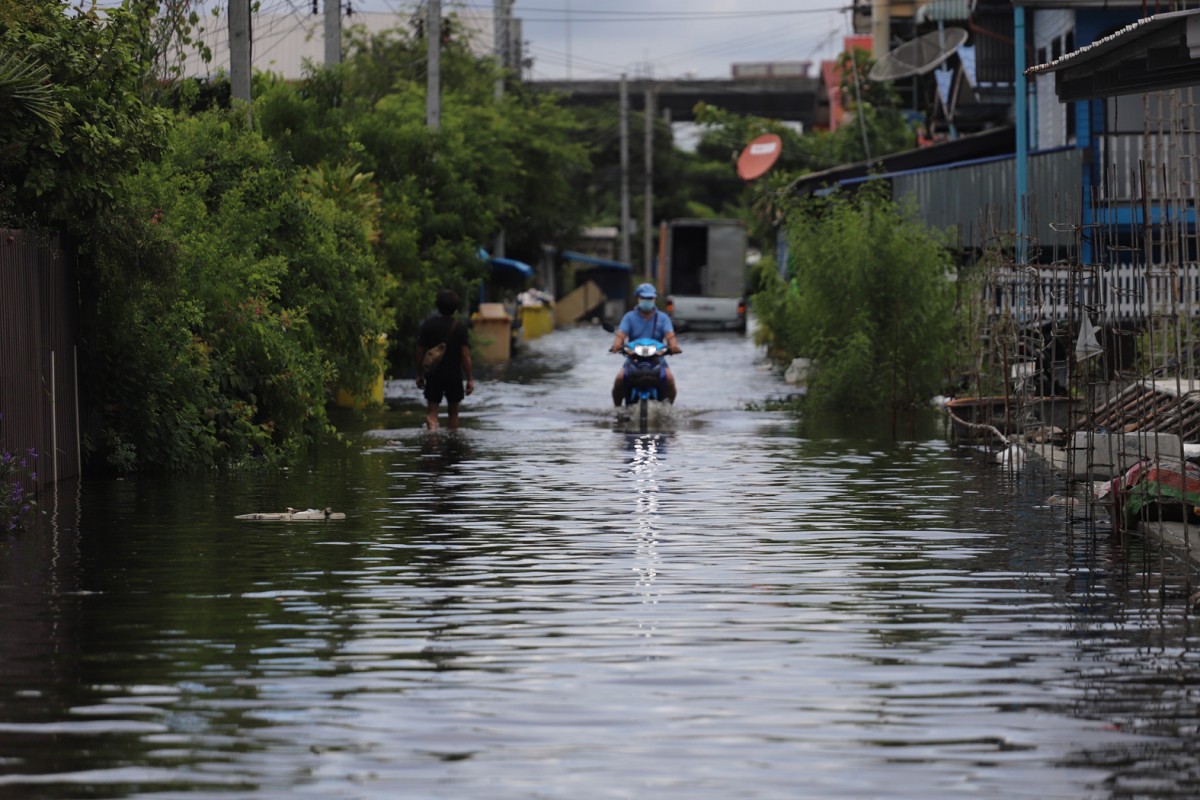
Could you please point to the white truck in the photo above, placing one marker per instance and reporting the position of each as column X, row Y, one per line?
column 704, row 273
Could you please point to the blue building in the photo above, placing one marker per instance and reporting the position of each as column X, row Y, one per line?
column 1086, row 174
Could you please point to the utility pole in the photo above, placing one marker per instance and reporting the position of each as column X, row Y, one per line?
column 433, row 81
column 500, row 17
column 624, row 170
column 881, row 28
column 239, row 49
column 333, row 32
column 500, row 14
column 648, row 190
column 516, row 46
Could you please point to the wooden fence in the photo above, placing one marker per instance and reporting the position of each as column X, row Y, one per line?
column 39, row 321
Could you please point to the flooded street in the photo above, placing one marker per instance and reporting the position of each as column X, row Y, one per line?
column 746, row 605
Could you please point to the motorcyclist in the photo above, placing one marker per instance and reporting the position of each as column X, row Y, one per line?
column 644, row 322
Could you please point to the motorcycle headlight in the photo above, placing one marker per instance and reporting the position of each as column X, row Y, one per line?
column 644, row 350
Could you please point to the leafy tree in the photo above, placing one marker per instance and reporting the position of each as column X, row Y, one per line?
column 876, row 125
column 686, row 184
column 235, row 275
column 762, row 202
column 234, row 294
column 62, row 173
column 867, row 299
column 443, row 193
column 25, row 90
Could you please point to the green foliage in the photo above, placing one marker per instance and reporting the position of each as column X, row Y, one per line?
column 442, row 194
column 685, row 184
column 25, row 90
column 762, row 202
column 875, row 126
column 235, row 276
column 868, row 300
column 231, row 297
column 60, row 170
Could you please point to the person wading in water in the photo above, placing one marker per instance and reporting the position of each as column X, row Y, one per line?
column 444, row 378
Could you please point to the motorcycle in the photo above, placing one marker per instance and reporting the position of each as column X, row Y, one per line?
column 645, row 376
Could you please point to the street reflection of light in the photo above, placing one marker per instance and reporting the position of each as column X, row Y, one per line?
column 645, row 467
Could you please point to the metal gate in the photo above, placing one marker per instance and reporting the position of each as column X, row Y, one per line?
column 39, row 318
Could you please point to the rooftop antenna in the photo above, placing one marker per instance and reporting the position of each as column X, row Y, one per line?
column 918, row 56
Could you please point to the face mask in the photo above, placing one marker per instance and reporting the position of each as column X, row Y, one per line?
column 646, row 305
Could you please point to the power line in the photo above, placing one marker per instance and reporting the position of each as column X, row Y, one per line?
column 756, row 40
column 608, row 15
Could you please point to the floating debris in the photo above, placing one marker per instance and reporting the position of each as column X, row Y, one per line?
column 308, row 514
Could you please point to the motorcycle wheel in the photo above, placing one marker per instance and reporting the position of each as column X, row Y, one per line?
column 643, row 414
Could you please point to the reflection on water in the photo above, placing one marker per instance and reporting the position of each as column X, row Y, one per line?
column 541, row 606
column 647, row 450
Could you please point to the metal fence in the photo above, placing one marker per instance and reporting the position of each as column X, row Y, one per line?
column 976, row 200
column 1127, row 293
column 39, row 317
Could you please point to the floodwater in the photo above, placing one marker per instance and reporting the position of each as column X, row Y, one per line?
column 748, row 605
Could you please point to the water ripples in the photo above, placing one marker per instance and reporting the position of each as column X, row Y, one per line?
column 544, row 607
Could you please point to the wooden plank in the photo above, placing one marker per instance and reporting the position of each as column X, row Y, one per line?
column 575, row 305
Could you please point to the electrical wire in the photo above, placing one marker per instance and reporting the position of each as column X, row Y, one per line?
column 609, row 15
column 779, row 39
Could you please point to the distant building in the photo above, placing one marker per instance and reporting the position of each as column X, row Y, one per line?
column 600, row 241
column 766, row 70
column 282, row 43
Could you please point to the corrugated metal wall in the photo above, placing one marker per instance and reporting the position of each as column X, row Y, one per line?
column 977, row 200
column 38, row 331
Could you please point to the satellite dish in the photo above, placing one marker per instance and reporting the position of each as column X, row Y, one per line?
column 918, row 56
column 759, row 156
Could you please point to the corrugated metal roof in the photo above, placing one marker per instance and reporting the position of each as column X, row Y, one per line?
column 1114, row 40
column 1159, row 406
column 1150, row 55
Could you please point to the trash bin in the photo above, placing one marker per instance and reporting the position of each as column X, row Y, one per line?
column 493, row 334
column 346, row 399
column 536, row 320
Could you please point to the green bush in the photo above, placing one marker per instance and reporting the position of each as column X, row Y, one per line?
column 868, row 300
column 232, row 297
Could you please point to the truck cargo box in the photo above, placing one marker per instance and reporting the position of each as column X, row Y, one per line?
column 705, row 273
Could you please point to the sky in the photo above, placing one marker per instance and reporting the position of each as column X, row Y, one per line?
column 674, row 38
column 582, row 39
column 664, row 39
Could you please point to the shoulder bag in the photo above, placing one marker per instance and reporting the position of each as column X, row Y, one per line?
column 433, row 356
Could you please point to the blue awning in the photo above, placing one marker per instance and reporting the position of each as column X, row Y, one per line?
column 507, row 264
column 511, row 264
column 571, row 255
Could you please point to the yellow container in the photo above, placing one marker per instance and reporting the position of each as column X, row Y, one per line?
column 536, row 321
column 493, row 334
column 346, row 399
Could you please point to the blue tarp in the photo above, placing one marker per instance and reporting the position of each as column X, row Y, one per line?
column 507, row 264
column 571, row 255
column 511, row 264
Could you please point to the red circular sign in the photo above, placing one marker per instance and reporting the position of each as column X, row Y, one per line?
column 759, row 156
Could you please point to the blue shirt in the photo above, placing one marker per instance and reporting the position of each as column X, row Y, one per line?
column 635, row 326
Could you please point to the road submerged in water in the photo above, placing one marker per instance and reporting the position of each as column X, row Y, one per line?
column 744, row 605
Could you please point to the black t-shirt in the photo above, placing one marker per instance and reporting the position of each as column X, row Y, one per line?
column 453, row 332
